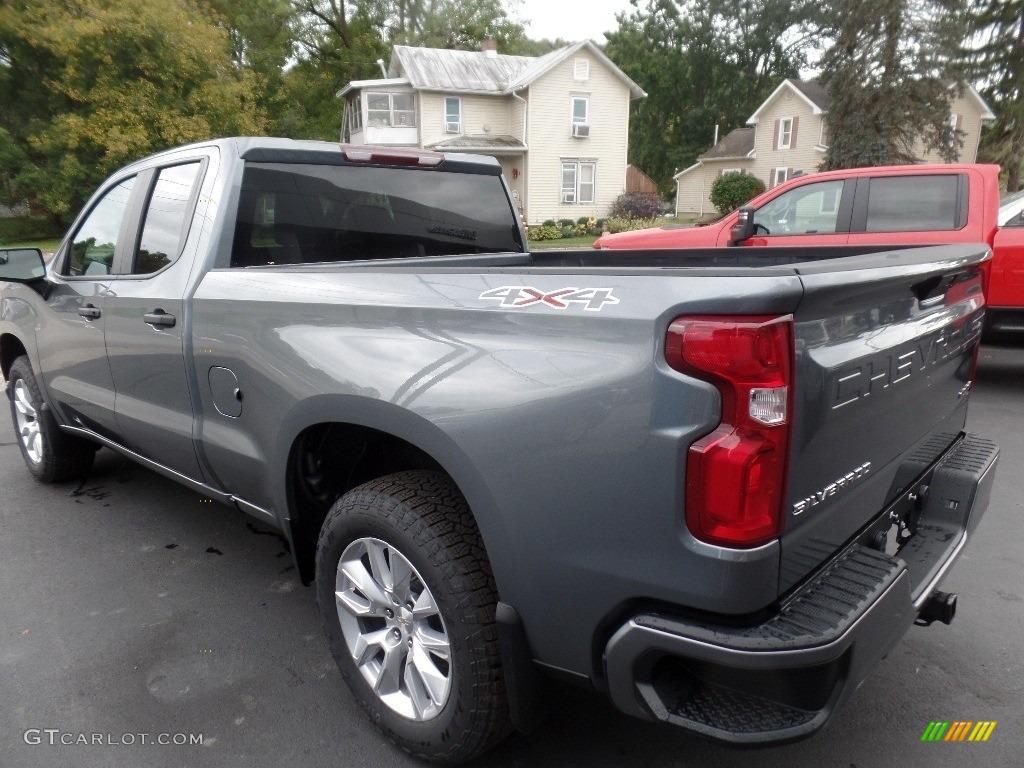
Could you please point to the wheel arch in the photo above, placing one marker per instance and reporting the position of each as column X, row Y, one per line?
column 366, row 439
column 11, row 348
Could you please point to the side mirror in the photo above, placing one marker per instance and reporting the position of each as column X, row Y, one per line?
column 743, row 229
column 21, row 265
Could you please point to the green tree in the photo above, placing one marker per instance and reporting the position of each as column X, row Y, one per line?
column 261, row 38
column 887, row 72
column 337, row 41
column 702, row 64
column 994, row 55
column 99, row 83
column 458, row 24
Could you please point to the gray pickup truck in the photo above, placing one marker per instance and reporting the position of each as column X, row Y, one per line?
column 715, row 485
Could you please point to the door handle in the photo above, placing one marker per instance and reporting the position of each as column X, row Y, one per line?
column 89, row 312
column 159, row 318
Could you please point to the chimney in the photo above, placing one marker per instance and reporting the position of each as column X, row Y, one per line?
column 489, row 47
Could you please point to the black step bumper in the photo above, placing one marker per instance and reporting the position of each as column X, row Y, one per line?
column 781, row 679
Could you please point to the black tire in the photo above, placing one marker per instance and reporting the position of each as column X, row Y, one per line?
column 422, row 517
column 51, row 455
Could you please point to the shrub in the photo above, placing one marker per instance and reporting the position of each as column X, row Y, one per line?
column 636, row 205
column 619, row 224
column 732, row 190
column 548, row 223
column 582, row 220
column 565, row 222
column 568, row 232
column 544, row 232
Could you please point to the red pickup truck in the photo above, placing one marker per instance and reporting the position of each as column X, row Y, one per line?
column 892, row 205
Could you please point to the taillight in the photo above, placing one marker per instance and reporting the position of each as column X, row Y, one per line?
column 735, row 476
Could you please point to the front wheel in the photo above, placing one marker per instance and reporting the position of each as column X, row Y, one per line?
column 408, row 601
column 51, row 455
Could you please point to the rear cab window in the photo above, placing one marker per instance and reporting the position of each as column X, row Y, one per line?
column 297, row 213
column 932, row 202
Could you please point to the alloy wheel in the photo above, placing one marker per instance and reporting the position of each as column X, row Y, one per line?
column 27, row 422
column 393, row 629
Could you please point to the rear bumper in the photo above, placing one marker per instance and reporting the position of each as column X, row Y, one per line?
column 781, row 679
column 1008, row 320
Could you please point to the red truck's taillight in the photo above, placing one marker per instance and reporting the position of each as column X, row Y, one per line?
column 735, row 476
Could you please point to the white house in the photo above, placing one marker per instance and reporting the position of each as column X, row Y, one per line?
column 559, row 123
column 786, row 135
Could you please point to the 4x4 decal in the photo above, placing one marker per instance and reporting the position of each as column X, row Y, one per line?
column 516, row 296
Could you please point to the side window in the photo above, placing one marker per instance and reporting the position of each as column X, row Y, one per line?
column 810, row 209
column 907, row 203
column 452, row 114
column 580, row 110
column 93, row 246
column 163, row 230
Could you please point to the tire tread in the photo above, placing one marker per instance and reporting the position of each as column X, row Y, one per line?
column 428, row 506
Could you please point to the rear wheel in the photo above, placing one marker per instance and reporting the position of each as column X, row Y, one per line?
column 408, row 601
column 51, row 455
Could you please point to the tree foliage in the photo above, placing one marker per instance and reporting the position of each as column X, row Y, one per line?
column 261, row 40
column 732, row 190
column 459, row 24
column 994, row 56
column 888, row 72
column 702, row 63
column 99, row 83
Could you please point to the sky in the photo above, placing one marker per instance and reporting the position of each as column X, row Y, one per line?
column 571, row 20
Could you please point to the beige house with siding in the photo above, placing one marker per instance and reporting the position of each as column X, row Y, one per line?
column 787, row 136
column 558, row 124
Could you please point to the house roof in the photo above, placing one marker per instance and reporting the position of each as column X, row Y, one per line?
column 987, row 114
column 809, row 91
column 451, row 71
column 816, row 97
column 738, row 143
column 440, row 69
column 497, row 144
column 355, row 85
column 544, row 64
column 814, row 91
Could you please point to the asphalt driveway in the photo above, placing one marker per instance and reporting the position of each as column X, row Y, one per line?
column 136, row 616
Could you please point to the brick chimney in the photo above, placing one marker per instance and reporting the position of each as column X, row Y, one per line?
column 489, row 47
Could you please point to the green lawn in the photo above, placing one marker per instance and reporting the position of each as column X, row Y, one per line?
column 565, row 242
column 42, row 245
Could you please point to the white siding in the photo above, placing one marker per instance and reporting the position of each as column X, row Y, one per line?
column 693, row 189
column 970, row 124
column 802, row 155
column 549, row 138
column 481, row 116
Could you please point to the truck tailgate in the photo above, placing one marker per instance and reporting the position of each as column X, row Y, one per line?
column 884, row 357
